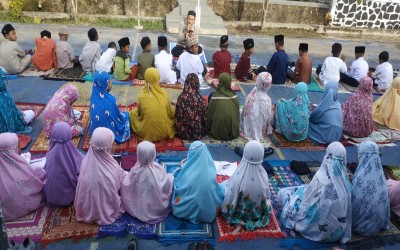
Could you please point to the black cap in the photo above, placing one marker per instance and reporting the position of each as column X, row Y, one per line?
column 45, row 33
column 144, row 42
column 359, row 49
column 162, row 41
column 224, row 41
column 303, row 47
column 6, row 29
column 123, row 42
column 248, row 43
column 279, row 38
column 191, row 13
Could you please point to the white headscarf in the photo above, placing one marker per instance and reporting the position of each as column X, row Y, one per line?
column 255, row 119
column 369, row 195
column 321, row 211
column 247, row 195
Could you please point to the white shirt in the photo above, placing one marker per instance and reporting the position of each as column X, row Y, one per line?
column 359, row 69
column 331, row 69
column 163, row 63
column 90, row 55
column 106, row 60
column 383, row 75
column 189, row 63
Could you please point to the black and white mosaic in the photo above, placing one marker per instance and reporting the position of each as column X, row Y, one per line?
column 383, row 14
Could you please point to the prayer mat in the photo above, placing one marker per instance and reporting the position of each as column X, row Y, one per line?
column 176, row 231
column 32, row 71
column 37, row 108
column 283, row 177
column 41, row 144
column 62, row 225
column 353, row 89
column 127, row 224
column 279, row 140
column 178, row 85
column 378, row 126
column 396, row 171
column 314, row 86
column 391, row 134
column 341, row 89
column 30, row 225
column 229, row 232
column 73, row 74
column 388, row 171
column 376, row 137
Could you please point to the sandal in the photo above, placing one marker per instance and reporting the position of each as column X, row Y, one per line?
column 132, row 244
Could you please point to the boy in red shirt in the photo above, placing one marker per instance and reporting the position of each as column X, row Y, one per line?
column 243, row 71
column 45, row 52
column 222, row 59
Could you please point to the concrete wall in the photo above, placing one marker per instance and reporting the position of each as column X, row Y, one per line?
column 384, row 14
column 157, row 8
column 279, row 11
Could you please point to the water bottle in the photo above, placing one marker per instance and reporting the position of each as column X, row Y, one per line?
column 237, row 57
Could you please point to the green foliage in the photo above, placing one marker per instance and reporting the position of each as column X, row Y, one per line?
column 15, row 8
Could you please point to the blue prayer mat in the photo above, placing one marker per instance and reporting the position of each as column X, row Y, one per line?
column 126, row 224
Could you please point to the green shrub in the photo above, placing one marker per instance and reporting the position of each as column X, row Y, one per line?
column 15, row 8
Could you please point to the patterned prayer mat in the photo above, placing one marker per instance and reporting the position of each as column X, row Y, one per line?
column 41, row 144
column 178, row 85
column 342, row 89
column 238, row 142
column 30, row 225
column 279, row 140
column 395, row 171
column 229, row 232
column 62, row 225
column 37, row 108
column 391, row 134
column 376, row 137
column 32, row 71
column 175, row 231
column 126, row 224
column 353, row 89
column 73, row 74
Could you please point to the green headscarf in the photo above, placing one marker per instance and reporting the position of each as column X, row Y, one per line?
column 224, row 86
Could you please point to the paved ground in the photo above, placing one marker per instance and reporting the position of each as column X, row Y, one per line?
column 22, row 89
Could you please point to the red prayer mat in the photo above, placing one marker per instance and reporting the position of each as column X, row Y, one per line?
column 229, row 232
column 41, row 144
column 36, row 107
column 137, row 82
column 30, row 225
column 61, row 225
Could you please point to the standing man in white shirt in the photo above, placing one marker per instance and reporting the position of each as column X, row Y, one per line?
column 359, row 68
column 383, row 74
column 333, row 66
column 163, row 62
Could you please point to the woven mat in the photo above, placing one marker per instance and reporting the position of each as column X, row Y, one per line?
column 126, row 224
column 353, row 89
column 73, row 74
column 41, row 144
column 32, row 71
column 30, row 225
column 229, row 232
column 61, row 225
column 37, row 108
column 178, row 85
column 176, row 231
column 131, row 145
column 391, row 134
column 376, row 137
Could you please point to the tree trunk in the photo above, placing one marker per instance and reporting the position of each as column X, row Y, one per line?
column 265, row 10
column 74, row 9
